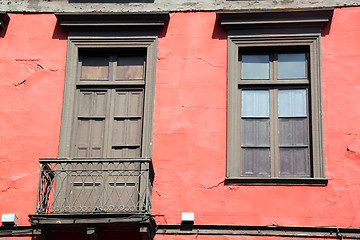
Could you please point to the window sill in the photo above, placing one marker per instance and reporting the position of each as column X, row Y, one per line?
column 276, row 181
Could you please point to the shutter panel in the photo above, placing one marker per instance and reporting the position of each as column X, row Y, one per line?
column 127, row 130
column 122, row 193
column 85, row 185
column 89, row 140
column 123, row 185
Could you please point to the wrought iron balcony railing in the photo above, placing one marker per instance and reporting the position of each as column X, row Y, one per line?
column 86, row 186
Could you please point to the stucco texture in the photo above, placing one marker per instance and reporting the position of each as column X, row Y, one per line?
column 189, row 147
column 32, row 67
column 190, row 132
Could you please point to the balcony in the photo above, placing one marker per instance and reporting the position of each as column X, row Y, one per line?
column 94, row 192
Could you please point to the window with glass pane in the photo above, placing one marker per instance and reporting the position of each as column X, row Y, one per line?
column 291, row 65
column 274, row 116
column 274, row 97
column 255, row 67
column 255, row 133
column 293, row 133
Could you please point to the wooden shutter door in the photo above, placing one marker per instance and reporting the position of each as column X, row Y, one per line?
column 123, row 185
column 90, row 129
column 85, row 185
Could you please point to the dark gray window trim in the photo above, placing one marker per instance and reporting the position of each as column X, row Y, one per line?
column 275, row 28
column 112, row 21
column 276, row 181
column 4, row 19
column 118, row 38
column 288, row 18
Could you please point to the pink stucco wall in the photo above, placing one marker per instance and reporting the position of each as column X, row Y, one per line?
column 189, row 147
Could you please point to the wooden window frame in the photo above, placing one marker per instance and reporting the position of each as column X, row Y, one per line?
column 275, row 29
column 121, row 40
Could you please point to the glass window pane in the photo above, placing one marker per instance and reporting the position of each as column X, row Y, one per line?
column 293, row 132
column 255, row 67
column 255, row 103
column 292, row 103
column 256, row 162
column 95, row 68
column 130, row 68
column 294, row 162
column 292, row 65
column 255, row 132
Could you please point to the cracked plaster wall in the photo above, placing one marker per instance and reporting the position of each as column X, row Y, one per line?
column 160, row 5
column 32, row 67
column 190, row 132
column 189, row 124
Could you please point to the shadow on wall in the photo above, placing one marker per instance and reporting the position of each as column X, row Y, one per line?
column 111, row 1
column 4, row 21
column 326, row 29
column 219, row 32
column 59, row 32
column 3, row 32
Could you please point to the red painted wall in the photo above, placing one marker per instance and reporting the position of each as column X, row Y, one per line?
column 190, row 132
column 189, row 150
column 32, row 70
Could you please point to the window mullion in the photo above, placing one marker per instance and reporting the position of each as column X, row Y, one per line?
column 109, row 123
column 112, row 68
column 275, row 133
column 273, row 70
column 272, row 134
column 110, row 109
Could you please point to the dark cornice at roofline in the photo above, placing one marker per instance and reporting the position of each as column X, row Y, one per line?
column 112, row 21
column 277, row 18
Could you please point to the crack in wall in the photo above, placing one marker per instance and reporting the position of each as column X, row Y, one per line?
column 20, row 83
column 31, row 66
column 212, row 65
column 331, row 202
column 217, row 185
column 5, row 190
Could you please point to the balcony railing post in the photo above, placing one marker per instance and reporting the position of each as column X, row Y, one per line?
column 39, row 191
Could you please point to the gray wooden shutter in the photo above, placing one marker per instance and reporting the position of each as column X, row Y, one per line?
column 109, row 122
column 90, row 129
column 127, row 125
